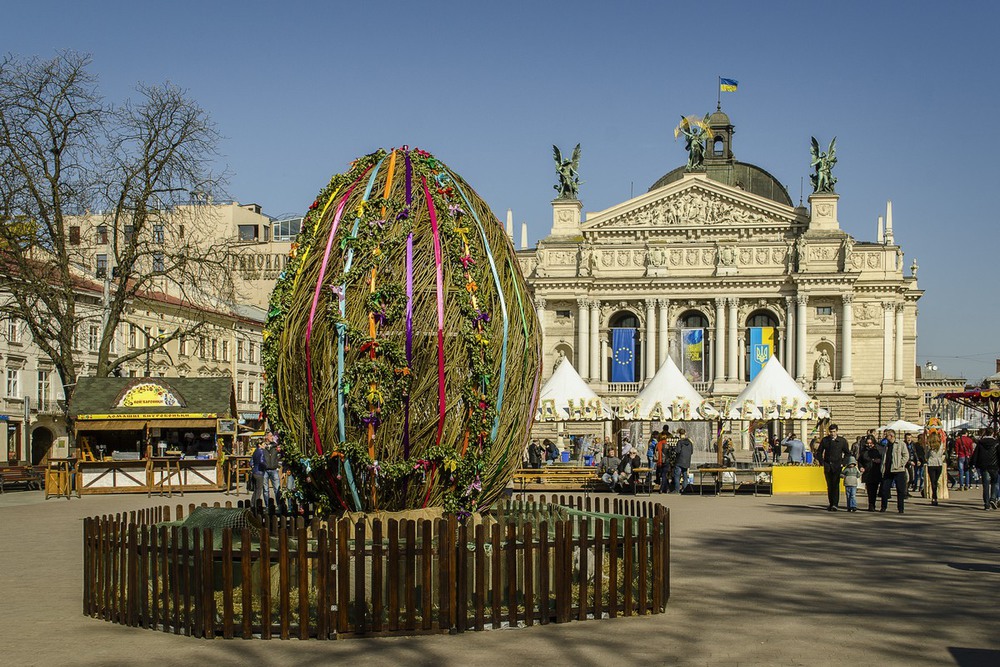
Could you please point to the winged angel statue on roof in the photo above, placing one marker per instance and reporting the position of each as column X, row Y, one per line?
column 823, row 179
column 696, row 132
column 569, row 178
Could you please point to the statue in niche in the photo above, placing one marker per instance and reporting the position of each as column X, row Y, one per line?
column 822, row 178
column 847, row 249
column 569, row 178
column 823, row 365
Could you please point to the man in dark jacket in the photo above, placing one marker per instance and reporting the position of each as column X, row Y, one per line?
column 684, row 450
column 832, row 453
column 986, row 458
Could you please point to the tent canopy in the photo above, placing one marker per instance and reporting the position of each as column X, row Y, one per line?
column 773, row 394
column 669, row 397
column 903, row 426
column 566, row 397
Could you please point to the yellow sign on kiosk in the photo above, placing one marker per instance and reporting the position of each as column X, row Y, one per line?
column 149, row 395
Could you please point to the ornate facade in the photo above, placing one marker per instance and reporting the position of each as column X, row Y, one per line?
column 722, row 248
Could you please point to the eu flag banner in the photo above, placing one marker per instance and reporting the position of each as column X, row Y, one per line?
column 693, row 354
column 761, row 348
column 623, row 354
column 728, row 85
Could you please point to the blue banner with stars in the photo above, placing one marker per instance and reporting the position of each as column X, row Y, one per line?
column 623, row 354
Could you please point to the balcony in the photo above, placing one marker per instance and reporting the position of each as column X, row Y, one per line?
column 624, row 387
column 48, row 406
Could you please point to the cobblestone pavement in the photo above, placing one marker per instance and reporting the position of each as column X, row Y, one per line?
column 756, row 581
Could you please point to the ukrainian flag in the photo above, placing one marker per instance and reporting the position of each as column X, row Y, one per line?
column 728, row 85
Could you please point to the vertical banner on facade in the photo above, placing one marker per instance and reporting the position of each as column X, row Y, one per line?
column 761, row 348
column 693, row 354
column 623, row 354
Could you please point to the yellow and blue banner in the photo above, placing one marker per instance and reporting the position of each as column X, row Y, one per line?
column 761, row 348
column 728, row 85
column 693, row 354
column 623, row 354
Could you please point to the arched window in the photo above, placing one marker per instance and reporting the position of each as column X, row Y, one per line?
column 762, row 341
column 718, row 147
column 694, row 349
column 625, row 364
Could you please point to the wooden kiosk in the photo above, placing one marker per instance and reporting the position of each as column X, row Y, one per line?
column 152, row 435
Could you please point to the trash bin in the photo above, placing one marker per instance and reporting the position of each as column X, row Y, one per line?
column 565, row 457
column 588, row 460
column 809, row 457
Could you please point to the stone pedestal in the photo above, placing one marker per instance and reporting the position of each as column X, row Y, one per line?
column 566, row 217
column 823, row 207
column 826, row 384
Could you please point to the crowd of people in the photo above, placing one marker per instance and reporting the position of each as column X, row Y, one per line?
column 887, row 466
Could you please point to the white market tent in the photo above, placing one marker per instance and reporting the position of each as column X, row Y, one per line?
column 566, row 397
column 773, row 394
column 903, row 426
column 669, row 396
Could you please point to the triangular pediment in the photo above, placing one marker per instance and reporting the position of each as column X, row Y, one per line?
column 694, row 201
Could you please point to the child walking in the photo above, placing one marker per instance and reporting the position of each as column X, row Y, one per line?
column 851, row 476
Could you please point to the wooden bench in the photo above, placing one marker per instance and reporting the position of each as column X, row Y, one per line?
column 557, row 477
column 20, row 475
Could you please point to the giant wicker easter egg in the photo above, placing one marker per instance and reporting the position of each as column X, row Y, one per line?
column 402, row 351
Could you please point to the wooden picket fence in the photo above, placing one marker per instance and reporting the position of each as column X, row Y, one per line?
column 527, row 562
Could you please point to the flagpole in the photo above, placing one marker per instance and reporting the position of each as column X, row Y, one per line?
column 718, row 103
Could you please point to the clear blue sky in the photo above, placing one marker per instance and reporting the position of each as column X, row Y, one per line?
column 299, row 89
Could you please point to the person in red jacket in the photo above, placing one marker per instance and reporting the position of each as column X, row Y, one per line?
column 963, row 451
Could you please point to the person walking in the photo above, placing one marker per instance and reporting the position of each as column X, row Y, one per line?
column 651, row 461
column 684, row 450
column 272, row 470
column 870, row 463
column 934, row 448
column 257, row 470
column 964, row 447
column 851, row 476
column 985, row 458
column 894, row 464
column 832, row 453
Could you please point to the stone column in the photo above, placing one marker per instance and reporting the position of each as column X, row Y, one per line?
column 603, row 367
column 583, row 337
column 663, row 328
column 595, row 334
column 887, row 361
column 540, row 313
column 741, row 359
column 781, row 346
column 800, row 336
column 719, row 372
column 731, row 338
column 649, row 351
column 846, row 329
column 789, row 353
column 898, row 373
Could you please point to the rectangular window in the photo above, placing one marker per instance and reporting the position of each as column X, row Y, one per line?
column 13, row 390
column 286, row 230
column 215, row 349
column 239, row 390
column 158, row 262
column 248, row 232
column 563, row 313
column 76, row 338
column 102, row 235
column 133, row 332
column 74, row 235
column 241, row 355
column 127, row 233
column 113, row 346
column 225, row 350
column 824, row 310
column 182, row 346
column 250, row 391
column 158, row 234
column 102, row 266
column 202, row 345
column 253, row 352
column 134, row 373
column 93, row 341
column 44, row 387
column 180, row 231
column 14, row 332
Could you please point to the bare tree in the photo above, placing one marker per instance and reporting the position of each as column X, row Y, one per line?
column 99, row 208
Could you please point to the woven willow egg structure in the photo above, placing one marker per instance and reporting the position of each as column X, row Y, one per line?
column 401, row 350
